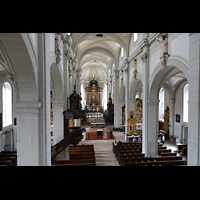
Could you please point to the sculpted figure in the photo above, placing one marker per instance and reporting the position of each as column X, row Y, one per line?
column 164, row 42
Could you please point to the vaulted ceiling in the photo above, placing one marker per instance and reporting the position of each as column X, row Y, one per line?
column 98, row 52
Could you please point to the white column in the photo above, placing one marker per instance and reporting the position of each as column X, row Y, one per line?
column 126, row 93
column 44, row 98
column 132, row 104
column 27, row 133
column 58, row 133
column 78, row 85
column 171, row 115
column 145, row 59
column 73, row 74
column 194, row 99
column 116, row 99
column 152, row 137
column 66, row 74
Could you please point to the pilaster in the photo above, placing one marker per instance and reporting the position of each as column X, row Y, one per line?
column 58, row 133
column 152, row 136
column 66, row 73
column 171, row 115
column 73, row 73
column 126, row 93
column 44, row 98
column 27, row 114
column 116, row 99
column 145, row 60
column 194, row 99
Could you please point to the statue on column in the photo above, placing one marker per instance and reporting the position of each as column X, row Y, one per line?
column 122, row 76
column 57, row 44
column 135, row 69
column 70, row 67
column 164, row 49
column 58, row 47
column 164, row 43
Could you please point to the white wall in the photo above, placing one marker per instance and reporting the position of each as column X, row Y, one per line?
column 179, row 46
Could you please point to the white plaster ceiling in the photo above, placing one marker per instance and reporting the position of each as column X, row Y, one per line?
column 96, row 55
column 174, row 78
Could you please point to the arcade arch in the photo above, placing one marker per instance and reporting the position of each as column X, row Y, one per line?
column 167, row 77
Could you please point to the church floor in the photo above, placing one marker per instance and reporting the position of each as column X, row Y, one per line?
column 104, row 150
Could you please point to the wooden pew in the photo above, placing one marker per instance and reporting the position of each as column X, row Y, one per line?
column 150, row 159
column 163, row 150
column 81, row 155
column 159, row 147
column 10, row 152
column 73, row 161
column 6, row 162
column 10, row 156
column 168, row 154
column 12, row 159
column 172, row 163
column 158, row 163
column 75, row 165
column 128, row 154
column 82, row 145
column 81, row 151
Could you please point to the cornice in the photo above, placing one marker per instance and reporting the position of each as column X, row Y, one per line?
column 152, row 37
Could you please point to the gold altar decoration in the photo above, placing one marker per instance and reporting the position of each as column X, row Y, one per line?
column 131, row 127
column 166, row 120
column 71, row 122
column 138, row 111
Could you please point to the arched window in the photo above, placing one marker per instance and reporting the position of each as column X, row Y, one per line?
column 161, row 103
column 7, row 104
column 122, row 52
column 135, row 36
column 185, row 103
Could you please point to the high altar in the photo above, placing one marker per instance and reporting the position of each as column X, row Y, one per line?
column 93, row 99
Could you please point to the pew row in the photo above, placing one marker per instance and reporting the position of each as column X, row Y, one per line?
column 130, row 154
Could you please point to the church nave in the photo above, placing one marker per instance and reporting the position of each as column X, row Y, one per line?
column 54, row 84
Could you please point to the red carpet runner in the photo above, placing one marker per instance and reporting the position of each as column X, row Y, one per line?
column 93, row 136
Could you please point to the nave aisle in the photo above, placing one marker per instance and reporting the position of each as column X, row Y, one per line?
column 104, row 150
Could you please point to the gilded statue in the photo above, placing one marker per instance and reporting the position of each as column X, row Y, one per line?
column 131, row 123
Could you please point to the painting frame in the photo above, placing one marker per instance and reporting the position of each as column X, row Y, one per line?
column 177, row 118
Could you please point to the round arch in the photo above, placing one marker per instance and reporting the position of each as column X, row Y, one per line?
column 134, row 83
column 160, row 72
column 24, row 65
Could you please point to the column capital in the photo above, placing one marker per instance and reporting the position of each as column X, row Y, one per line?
column 116, row 73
